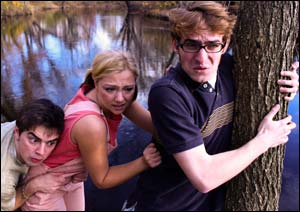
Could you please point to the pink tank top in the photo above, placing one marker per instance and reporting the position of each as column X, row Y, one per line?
column 77, row 108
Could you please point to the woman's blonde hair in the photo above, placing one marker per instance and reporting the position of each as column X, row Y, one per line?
column 201, row 16
column 110, row 61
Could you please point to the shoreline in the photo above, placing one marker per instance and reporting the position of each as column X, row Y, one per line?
column 28, row 8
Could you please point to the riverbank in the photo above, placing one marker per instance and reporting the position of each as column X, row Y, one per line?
column 23, row 8
column 156, row 9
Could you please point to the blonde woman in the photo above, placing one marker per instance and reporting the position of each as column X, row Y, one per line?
column 92, row 118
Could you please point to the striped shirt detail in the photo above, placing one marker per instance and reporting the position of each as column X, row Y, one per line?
column 219, row 118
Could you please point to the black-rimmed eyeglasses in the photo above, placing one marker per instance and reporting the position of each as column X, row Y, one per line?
column 193, row 46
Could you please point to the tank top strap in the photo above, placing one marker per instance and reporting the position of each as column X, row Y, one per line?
column 82, row 106
column 86, row 106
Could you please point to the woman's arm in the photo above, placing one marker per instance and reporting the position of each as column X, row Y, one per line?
column 140, row 116
column 90, row 135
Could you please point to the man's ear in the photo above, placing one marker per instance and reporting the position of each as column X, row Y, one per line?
column 226, row 46
column 175, row 46
column 16, row 133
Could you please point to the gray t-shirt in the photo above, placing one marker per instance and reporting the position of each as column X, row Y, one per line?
column 11, row 168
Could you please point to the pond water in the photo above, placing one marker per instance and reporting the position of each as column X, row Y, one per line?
column 46, row 55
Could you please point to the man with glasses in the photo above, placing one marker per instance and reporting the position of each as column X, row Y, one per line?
column 192, row 111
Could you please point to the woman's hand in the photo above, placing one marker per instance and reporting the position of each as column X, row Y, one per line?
column 152, row 155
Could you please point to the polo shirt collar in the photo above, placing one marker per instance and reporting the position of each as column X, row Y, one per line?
column 205, row 86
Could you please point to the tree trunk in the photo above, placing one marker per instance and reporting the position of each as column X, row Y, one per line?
column 263, row 46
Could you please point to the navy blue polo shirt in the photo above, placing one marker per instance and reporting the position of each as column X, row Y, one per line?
column 186, row 114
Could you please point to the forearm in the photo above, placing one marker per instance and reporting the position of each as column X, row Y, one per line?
column 119, row 174
column 207, row 172
column 231, row 163
column 22, row 194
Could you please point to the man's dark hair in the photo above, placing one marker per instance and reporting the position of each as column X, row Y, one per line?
column 40, row 112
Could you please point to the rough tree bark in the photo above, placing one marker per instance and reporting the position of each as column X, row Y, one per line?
column 264, row 40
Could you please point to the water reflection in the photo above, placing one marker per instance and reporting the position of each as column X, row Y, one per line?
column 47, row 55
